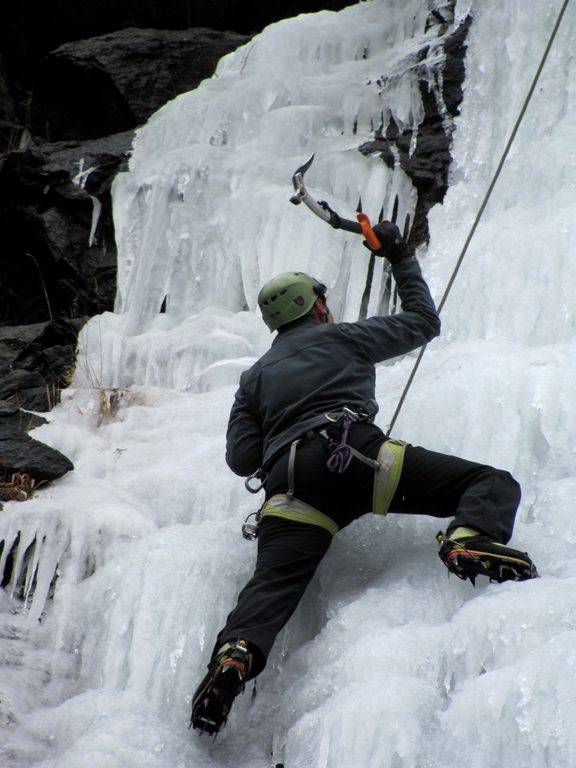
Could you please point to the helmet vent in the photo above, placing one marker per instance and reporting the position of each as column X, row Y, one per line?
column 273, row 298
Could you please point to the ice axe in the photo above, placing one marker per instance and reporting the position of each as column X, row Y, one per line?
column 323, row 210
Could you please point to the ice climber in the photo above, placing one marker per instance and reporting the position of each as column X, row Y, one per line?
column 304, row 413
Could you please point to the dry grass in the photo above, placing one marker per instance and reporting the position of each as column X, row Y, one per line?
column 19, row 487
column 110, row 399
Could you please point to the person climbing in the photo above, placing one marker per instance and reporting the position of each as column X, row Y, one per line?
column 302, row 422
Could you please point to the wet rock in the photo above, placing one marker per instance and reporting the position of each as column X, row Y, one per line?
column 56, row 219
column 115, row 82
column 426, row 157
column 36, row 362
column 20, row 454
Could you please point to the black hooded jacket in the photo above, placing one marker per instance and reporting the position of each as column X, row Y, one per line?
column 312, row 369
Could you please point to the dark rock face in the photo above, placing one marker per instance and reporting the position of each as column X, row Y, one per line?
column 35, row 361
column 21, row 455
column 56, row 221
column 68, row 111
column 116, row 81
column 31, row 29
column 427, row 159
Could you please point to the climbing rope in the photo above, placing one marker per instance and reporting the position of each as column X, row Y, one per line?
column 483, row 206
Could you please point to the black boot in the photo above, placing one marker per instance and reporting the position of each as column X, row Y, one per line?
column 469, row 556
column 227, row 673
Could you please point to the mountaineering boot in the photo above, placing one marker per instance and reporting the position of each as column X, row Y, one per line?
column 468, row 554
column 226, row 677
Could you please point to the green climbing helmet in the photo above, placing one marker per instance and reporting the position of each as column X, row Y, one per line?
column 287, row 297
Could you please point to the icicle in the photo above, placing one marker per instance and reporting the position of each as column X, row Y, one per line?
column 96, row 210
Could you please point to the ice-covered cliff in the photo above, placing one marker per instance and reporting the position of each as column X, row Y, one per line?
column 134, row 559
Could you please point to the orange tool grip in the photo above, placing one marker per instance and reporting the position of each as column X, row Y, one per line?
column 368, row 232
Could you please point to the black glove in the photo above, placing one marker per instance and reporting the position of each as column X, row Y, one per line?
column 393, row 246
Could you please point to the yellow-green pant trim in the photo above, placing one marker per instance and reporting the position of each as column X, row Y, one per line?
column 280, row 505
column 386, row 479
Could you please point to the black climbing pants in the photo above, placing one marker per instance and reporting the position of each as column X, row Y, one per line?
column 474, row 495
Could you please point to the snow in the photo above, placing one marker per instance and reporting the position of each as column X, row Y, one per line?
column 127, row 567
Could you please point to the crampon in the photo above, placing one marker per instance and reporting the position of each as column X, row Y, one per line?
column 225, row 679
column 472, row 556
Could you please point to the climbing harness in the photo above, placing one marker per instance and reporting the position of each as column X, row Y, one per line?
column 387, row 471
column 341, row 454
column 291, row 468
column 483, row 205
column 280, row 505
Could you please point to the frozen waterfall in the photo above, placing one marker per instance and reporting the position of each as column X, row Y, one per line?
column 124, row 570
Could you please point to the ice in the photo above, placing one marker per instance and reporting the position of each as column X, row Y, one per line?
column 122, row 572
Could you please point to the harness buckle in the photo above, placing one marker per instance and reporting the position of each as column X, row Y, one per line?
column 353, row 415
column 366, row 413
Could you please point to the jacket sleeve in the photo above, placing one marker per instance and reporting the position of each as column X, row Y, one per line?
column 385, row 337
column 244, row 441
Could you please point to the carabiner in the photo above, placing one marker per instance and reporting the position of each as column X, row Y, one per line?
column 260, row 475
